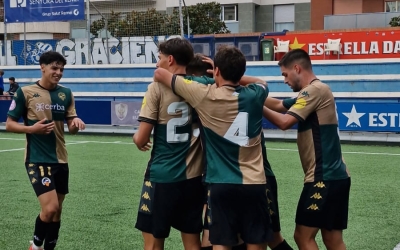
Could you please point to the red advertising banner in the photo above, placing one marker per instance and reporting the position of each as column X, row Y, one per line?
column 354, row 45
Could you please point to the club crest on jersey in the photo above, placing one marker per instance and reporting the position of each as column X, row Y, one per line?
column 121, row 110
column 62, row 96
column 46, row 181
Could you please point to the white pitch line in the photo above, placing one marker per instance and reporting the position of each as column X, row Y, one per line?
column 10, row 150
column 344, row 152
column 131, row 143
column 20, row 149
column 13, row 139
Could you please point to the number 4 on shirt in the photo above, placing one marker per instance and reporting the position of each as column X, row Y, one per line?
column 237, row 132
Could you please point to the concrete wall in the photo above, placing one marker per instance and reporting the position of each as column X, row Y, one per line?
column 246, row 17
column 302, row 16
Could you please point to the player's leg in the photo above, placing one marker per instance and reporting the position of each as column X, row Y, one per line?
column 49, row 207
column 188, row 212
column 151, row 243
column 205, row 240
column 43, row 185
column 337, row 214
column 154, row 213
column 333, row 239
column 309, row 216
column 278, row 242
column 60, row 175
column 256, row 226
column 223, row 213
column 305, row 237
column 219, row 247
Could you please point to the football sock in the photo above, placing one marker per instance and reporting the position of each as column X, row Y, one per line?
column 240, row 247
column 40, row 232
column 283, row 246
column 52, row 235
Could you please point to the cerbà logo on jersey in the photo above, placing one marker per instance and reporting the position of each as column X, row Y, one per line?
column 17, row 3
column 44, row 106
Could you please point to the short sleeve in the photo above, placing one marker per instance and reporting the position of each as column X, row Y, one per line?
column 18, row 105
column 306, row 103
column 192, row 91
column 150, row 105
column 71, row 111
column 261, row 90
column 289, row 102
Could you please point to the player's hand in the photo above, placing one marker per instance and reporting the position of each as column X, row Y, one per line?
column 42, row 128
column 209, row 61
column 78, row 123
column 146, row 147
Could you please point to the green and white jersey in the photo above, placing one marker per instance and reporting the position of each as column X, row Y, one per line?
column 231, row 121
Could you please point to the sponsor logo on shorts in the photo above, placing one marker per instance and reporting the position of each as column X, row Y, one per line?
column 320, row 184
column 146, row 196
column 313, row 207
column 316, row 196
column 46, row 181
column 145, row 208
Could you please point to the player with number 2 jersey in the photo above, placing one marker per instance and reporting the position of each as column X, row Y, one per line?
column 172, row 184
column 231, row 126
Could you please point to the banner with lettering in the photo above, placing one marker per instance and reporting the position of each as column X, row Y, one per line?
column 354, row 45
column 372, row 117
column 23, row 11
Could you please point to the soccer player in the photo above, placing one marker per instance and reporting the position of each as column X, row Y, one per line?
column 172, row 189
column 200, row 66
column 231, row 117
column 44, row 106
column 324, row 201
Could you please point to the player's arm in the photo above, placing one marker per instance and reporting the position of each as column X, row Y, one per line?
column 282, row 121
column 191, row 91
column 306, row 103
column 142, row 137
column 279, row 105
column 17, row 108
column 245, row 80
column 148, row 118
column 74, row 123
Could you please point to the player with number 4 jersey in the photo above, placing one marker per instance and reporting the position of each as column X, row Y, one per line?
column 231, row 127
column 172, row 188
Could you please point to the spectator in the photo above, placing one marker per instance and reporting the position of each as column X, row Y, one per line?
column 13, row 86
column 1, row 82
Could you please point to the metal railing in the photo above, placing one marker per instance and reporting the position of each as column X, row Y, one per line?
column 355, row 21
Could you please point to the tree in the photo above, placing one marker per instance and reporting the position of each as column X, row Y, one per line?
column 395, row 21
column 204, row 19
column 146, row 23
